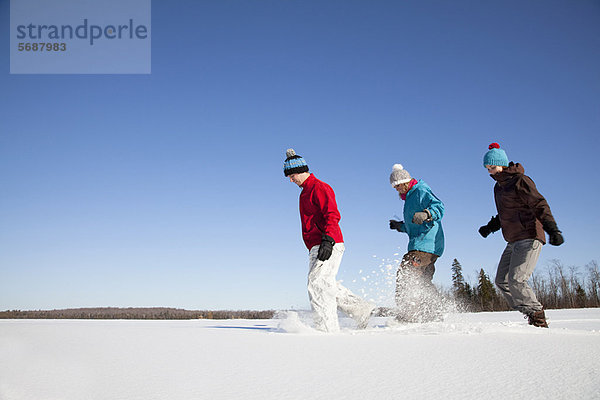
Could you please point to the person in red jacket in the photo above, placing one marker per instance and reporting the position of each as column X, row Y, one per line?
column 323, row 238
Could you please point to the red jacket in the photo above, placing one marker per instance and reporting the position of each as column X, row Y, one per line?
column 318, row 212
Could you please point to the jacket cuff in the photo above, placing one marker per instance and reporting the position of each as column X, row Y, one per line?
column 430, row 218
column 327, row 238
column 550, row 226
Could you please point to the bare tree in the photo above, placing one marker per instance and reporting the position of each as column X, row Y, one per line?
column 593, row 284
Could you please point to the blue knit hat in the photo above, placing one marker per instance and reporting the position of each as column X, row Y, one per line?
column 294, row 164
column 495, row 156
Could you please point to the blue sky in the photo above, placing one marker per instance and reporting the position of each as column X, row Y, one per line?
column 167, row 189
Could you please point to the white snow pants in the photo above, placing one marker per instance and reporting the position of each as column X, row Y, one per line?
column 326, row 294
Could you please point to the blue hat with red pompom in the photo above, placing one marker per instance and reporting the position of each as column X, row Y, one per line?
column 495, row 156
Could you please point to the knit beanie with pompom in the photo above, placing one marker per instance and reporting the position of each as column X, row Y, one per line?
column 294, row 164
column 495, row 156
column 399, row 175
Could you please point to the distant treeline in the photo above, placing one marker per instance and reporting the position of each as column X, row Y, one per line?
column 134, row 313
column 555, row 286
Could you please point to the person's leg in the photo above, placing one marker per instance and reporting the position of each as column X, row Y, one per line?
column 432, row 304
column 524, row 258
column 322, row 288
column 426, row 269
column 414, row 286
column 405, row 281
column 353, row 305
column 502, row 274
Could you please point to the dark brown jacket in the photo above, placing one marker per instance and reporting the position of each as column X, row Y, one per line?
column 521, row 208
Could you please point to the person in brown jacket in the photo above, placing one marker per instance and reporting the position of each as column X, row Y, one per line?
column 523, row 216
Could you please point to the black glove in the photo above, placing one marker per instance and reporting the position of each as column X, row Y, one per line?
column 556, row 238
column 397, row 225
column 492, row 226
column 325, row 248
column 421, row 216
column 485, row 231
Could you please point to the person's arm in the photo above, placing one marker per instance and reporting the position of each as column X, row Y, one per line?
column 529, row 194
column 433, row 206
column 325, row 199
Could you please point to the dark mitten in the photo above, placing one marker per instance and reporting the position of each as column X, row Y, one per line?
column 492, row 226
column 397, row 225
column 556, row 238
column 326, row 247
column 484, row 231
column 555, row 235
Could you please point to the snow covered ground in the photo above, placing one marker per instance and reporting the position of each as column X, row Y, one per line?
column 469, row 356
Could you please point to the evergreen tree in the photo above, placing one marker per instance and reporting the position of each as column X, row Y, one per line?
column 458, row 280
column 580, row 297
column 486, row 292
column 468, row 291
column 462, row 290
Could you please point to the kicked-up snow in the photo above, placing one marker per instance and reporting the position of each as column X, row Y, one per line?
column 468, row 356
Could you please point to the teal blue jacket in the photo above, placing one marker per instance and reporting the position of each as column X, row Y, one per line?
column 428, row 237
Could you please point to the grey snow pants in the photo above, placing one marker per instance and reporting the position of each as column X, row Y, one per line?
column 514, row 270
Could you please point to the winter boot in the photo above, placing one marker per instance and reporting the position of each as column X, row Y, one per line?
column 537, row 318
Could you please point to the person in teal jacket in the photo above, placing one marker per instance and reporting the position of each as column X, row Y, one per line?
column 416, row 296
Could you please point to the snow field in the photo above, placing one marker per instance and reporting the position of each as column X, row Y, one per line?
column 468, row 356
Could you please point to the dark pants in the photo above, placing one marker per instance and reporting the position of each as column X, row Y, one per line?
column 416, row 296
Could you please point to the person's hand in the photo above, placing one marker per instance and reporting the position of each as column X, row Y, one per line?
column 485, row 231
column 326, row 248
column 492, row 226
column 556, row 238
column 420, row 217
column 397, row 225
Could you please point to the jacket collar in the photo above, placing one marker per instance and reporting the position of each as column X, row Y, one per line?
column 309, row 182
column 512, row 171
column 411, row 184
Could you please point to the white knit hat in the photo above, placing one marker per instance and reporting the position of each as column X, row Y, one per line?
column 399, row 175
